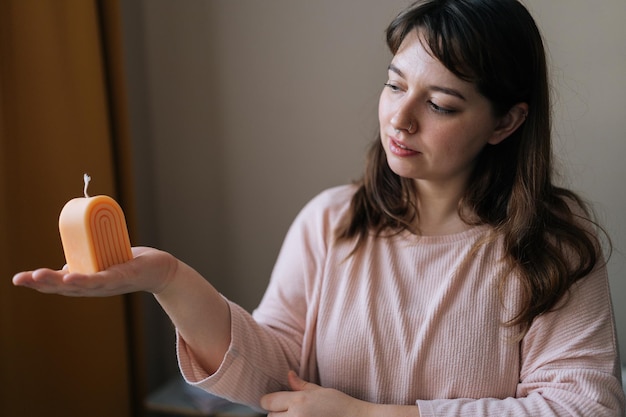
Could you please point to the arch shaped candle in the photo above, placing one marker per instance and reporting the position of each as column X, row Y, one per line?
column 93, row 233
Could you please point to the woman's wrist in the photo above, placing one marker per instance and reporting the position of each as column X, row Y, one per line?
column 169, row 267
column 387, row 410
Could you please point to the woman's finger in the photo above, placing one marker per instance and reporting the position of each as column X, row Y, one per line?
column 145, row 272
column 63, row 282
column 276, row 402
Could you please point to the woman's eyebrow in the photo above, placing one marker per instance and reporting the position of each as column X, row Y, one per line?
column 441, row 89
column 395, row 69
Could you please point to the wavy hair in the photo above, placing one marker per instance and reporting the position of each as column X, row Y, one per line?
column 548, row 231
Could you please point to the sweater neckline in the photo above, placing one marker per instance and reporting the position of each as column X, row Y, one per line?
column 469, row 235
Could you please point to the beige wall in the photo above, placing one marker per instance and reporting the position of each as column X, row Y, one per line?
column 243, row 110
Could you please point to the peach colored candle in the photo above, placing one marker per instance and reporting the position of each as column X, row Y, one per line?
column 94, row 233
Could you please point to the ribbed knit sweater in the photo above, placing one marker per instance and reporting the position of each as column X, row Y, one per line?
column 416, row 320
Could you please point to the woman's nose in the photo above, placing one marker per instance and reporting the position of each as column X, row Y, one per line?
column 404, row 119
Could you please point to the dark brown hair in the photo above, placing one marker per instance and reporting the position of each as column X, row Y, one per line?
column 548, row 233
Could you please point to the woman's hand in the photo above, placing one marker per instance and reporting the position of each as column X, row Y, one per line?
column 310, row 400
column 201, row 315
column 150, row 270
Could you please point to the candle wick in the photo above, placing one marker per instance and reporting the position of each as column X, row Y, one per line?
column 87, row 178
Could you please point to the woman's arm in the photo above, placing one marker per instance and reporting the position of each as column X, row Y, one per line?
column 198, row 311
column 310, row 400
column 569, row 363
column 201, row 315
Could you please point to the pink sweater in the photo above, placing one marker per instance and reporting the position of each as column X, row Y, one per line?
column 418, row 321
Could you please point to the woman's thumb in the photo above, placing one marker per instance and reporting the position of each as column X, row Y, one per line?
column 298, row 384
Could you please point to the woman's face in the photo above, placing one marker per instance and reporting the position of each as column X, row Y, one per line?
column 432, row 123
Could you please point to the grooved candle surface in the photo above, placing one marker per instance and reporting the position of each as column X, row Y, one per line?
column 94, row 234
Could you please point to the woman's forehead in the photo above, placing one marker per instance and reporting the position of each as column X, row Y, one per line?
column 414, row 57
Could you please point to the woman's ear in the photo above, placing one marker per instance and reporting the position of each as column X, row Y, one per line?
column 509, row 123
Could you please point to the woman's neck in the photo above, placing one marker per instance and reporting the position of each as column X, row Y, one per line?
column 438, row 210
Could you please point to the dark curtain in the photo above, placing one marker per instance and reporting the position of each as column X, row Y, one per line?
column 62, row 114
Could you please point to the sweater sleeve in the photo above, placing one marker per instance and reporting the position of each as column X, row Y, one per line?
column 266, row 345
column 569, row 363
column 239, row 378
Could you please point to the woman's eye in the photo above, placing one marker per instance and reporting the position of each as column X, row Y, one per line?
column 392, row 87
column 439, row 109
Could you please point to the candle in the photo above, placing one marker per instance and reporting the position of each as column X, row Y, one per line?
column 93, row 233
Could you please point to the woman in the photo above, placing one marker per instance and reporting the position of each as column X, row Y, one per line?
column 454, row 279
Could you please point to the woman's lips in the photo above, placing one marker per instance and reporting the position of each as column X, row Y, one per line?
column 398, row 149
